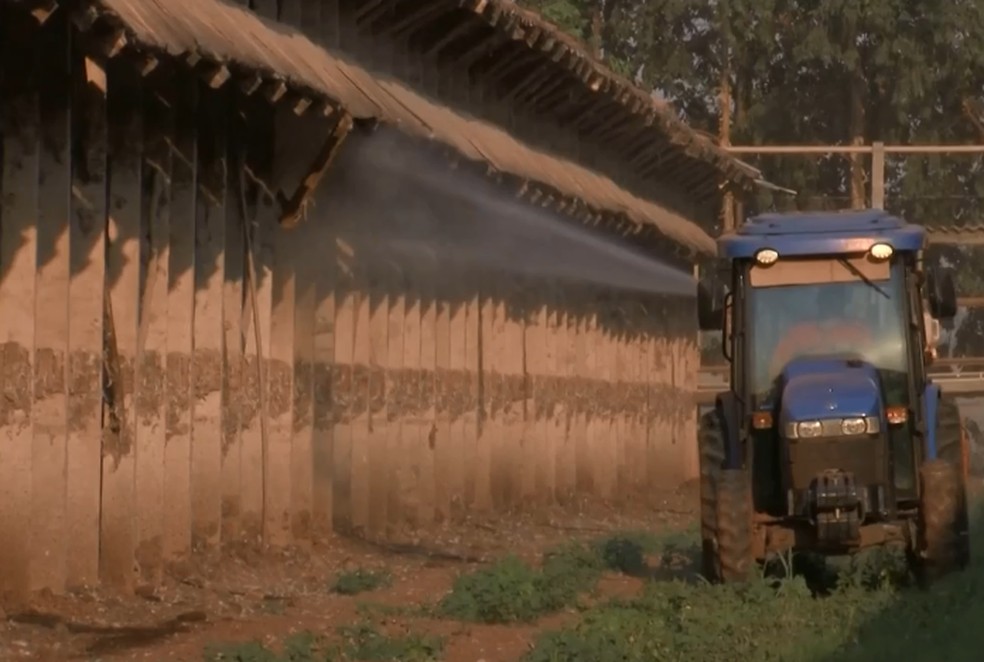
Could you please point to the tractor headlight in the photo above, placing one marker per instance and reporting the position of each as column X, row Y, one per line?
column 832, row 427
column 881, row 251
column 852, row 426
column 809, row 429
column 767, row 256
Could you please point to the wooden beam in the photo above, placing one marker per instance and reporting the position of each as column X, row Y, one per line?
column 291, row 210
column 43, row 9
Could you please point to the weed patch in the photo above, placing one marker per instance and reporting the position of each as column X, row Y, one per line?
column 366, row 644
column 359, row 643
column 361, row 581
column 512, row 591
column 762, row 620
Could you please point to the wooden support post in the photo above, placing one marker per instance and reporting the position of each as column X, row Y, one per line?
column 151, row 396
column 19, row 208
column 207, row 363
column 539, row 450
column 479, row 345
column 603, row 451
column 523, row 437
column 459, row 440
column 123, row 279
column 494, row 374
column 233, row 332
column 347, row 300
column 546, row 389
column 570, row 368
column 410, row 425
column 445, row 446
column 280, row 383
column 379, row 426
column 302, row 445
column 50, row 546
column 427, row 412
column 587, row 345
column 326, row 280
column 360, row 394
column 180, row 330
column 255, row 324
column 392, row 468
column 85, row 310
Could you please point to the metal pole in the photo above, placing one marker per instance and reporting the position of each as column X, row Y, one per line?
column 852, row 149
column 878, row 176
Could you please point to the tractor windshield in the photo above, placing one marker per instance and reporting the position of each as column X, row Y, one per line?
column 829, row 307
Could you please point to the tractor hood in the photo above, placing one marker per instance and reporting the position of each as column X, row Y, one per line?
column 817, row 389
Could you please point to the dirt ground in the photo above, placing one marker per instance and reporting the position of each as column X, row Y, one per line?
column 273, row 596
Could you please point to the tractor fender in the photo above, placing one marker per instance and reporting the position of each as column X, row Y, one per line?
column 931, row 404
column 727, row 406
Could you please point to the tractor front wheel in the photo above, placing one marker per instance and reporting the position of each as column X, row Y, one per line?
column 943, row 543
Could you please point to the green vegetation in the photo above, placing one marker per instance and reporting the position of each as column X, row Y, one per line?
column 860, row 609
column 362, row 643
column 512, row 591
column 361, row 580
column 866, row 611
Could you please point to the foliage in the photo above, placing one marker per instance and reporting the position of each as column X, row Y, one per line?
column 870, row 611
column 366, row 644
column 512, row 591
column 302, row 647
column 361, row 580
column 361, row 642
column 569, row 15
column 820, row 72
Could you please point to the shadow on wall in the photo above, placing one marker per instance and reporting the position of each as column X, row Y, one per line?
column 392, row 212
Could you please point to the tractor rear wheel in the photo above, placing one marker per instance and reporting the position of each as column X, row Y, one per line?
column 710, row 446
column 734, row 559
column 943, row 544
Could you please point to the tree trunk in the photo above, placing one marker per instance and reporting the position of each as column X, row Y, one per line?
column 724, row 137
column 597, row 28
column 856, row 99
column 857, row 175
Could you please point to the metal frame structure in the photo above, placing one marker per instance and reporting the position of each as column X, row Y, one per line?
column 877, row 150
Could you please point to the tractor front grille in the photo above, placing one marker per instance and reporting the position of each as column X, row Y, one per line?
column 864, row 456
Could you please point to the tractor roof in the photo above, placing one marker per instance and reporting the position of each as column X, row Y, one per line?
column 820, row 233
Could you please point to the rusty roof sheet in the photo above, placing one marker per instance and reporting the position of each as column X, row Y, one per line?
column 226, row 33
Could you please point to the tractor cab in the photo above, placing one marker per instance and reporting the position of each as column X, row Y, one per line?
column 830, row 423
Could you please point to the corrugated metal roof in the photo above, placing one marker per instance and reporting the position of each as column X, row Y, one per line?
column 964, row 235
column 222, row 32
column 656, row 117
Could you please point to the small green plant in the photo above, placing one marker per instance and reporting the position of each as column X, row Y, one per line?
column 301, row 647
column 512, row 591
column 361, row 580
column 363, row 642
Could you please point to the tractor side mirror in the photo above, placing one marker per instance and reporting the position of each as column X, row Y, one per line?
column 710, row 305
column 941, row 293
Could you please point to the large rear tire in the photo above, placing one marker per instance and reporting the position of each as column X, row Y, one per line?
column 710, row 446
column 735, row 529
column 725, row 508
column 943, row 544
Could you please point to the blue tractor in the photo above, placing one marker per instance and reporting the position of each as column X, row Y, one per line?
column 830, row 438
